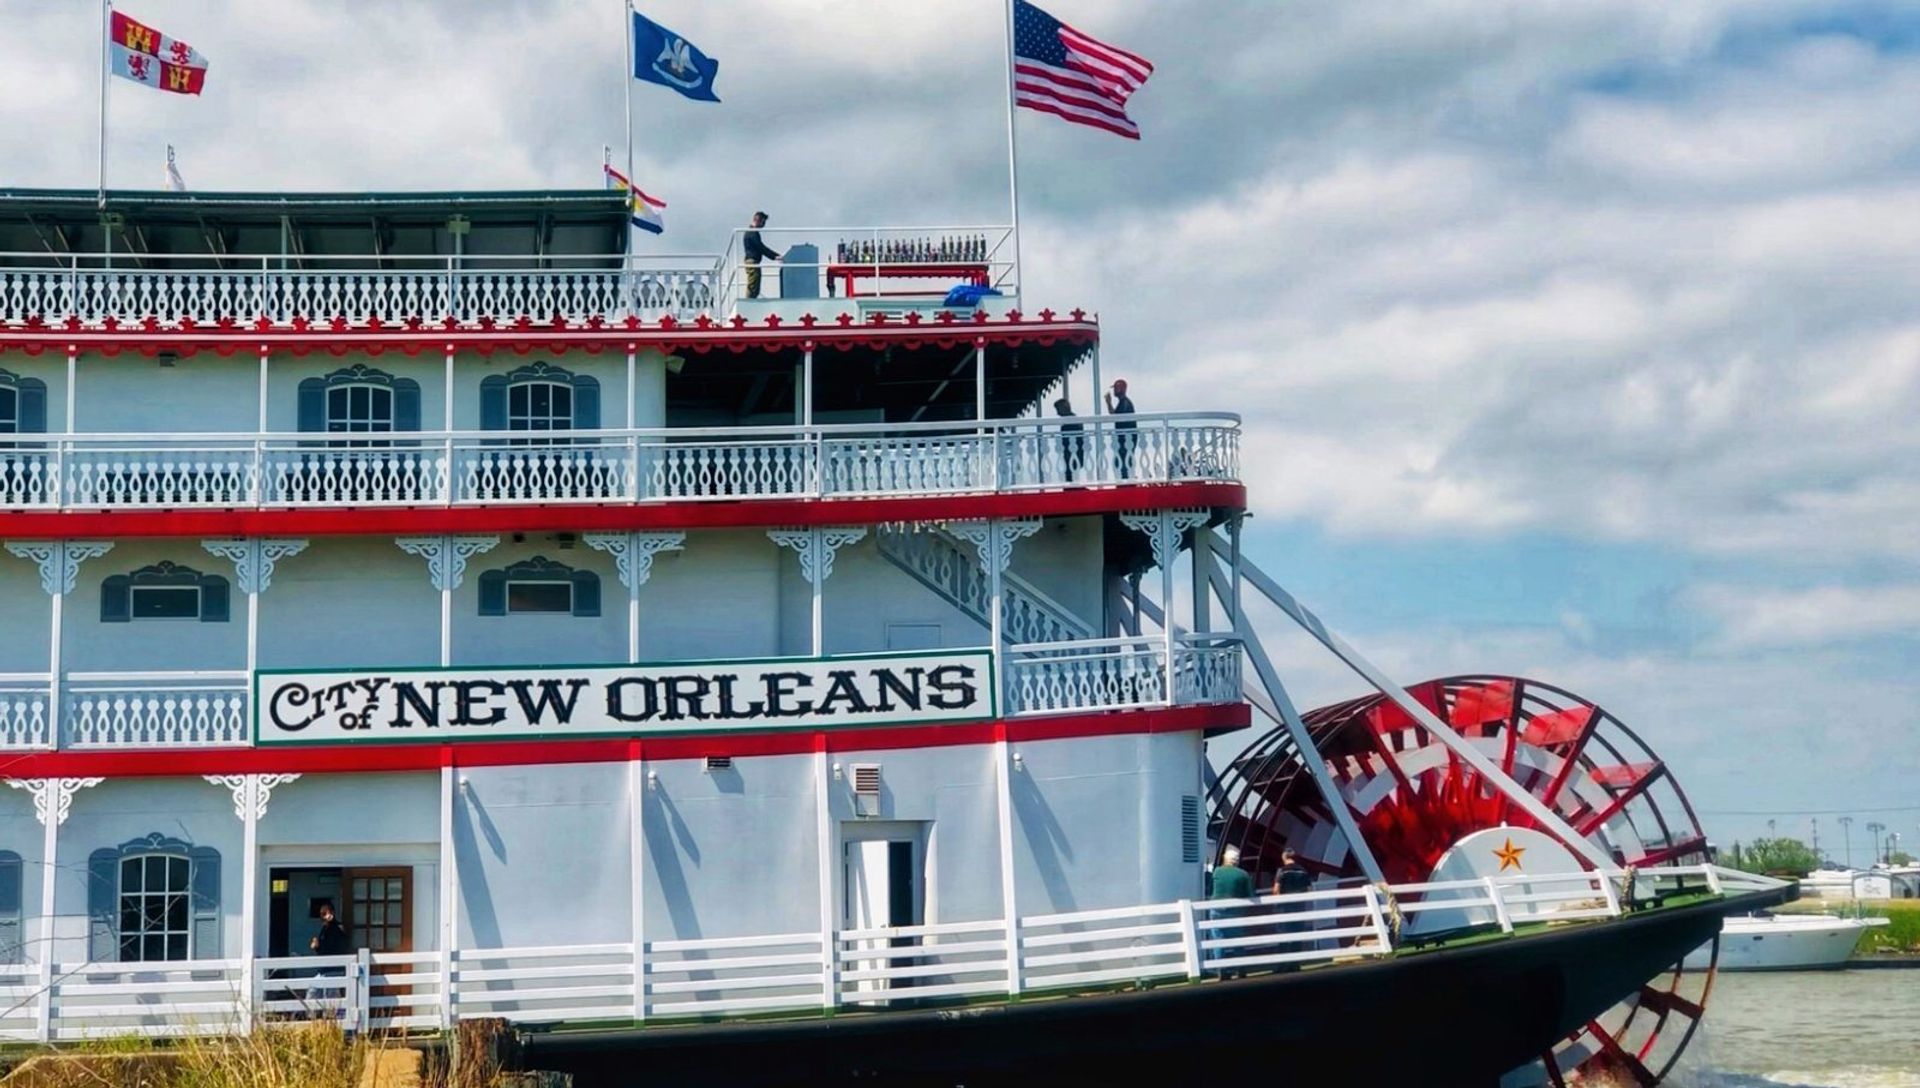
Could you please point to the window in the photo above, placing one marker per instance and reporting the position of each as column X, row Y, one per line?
column 12, row 937
column 153, row 900
column 359, row 400
column 539, row 397
column 23, row 404
column 539, row 586
column 155, row 921
column 165, row 591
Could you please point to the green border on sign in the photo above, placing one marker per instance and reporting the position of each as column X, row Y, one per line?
column 993, row 698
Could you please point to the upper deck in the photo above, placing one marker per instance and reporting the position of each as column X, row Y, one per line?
column 156, row 262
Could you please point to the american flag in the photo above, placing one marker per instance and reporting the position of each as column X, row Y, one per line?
column 1059, row 70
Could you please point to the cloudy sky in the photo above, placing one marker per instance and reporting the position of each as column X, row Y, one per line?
column 1577, row 339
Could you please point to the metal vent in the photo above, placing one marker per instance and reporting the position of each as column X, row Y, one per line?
column 719, row 763
column 866, row 789
column 1190, row 829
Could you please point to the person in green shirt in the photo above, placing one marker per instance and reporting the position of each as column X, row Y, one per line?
column 1230, row 881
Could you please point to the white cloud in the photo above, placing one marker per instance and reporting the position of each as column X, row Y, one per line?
column 1760, row 617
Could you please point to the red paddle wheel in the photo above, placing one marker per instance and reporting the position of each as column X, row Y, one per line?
column 1413, row 799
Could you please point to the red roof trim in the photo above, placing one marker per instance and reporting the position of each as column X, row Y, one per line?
column 174, row 763
column 522, row 337
column 730, row 514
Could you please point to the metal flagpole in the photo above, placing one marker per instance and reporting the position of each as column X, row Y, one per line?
column 106, row 35
column 1013, row 147
column 627, row 88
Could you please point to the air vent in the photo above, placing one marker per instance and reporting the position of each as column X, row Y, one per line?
column 1190, row 830
column 866, row 789
column 719, row 763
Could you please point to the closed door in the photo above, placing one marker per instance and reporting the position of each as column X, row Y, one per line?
column 379, row 908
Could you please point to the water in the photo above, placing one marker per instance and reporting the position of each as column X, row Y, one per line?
column 1821, row 1029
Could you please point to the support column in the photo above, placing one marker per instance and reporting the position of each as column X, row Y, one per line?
column 1233, row 559
column 816, row 548
column 828, row 841
column 633, row 557
column 251, row 793
column 1009, row 896
column 1201, row 556
column 52, row 800
column 806, row 386
column 980, row 381
column 59, row 563
column 1164, row 529
column 449, row 896
column 637, row 855
column 260, row 417
column 446, row 558
column 449, row 472
column 993, row 545
column 253, row 562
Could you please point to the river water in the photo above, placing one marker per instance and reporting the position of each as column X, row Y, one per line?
column 1819, row 1029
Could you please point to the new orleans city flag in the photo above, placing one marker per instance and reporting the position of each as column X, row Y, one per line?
column 646, row 209
column 144, row 55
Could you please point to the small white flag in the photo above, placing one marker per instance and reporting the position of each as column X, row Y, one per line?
column 175, row 183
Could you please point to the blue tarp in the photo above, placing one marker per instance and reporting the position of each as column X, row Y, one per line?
column 968, row 295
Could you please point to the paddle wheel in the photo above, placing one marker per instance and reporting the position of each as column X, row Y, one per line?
column 1418, row 805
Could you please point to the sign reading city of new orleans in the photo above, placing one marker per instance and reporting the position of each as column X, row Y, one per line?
column 437, row 706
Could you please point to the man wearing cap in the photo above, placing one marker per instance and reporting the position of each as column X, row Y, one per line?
column 1119, row 404
column 754, row 249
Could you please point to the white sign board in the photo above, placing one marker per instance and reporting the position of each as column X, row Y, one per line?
column 438, row 706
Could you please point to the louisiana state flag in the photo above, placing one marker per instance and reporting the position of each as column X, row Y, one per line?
column 663, row 57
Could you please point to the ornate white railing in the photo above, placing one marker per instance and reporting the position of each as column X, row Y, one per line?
column 358, row 290
column 26, row 721
column 133, row 471
column 796, row 972
column 156, row 710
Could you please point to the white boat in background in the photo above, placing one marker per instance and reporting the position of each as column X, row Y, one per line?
column 1787, row 942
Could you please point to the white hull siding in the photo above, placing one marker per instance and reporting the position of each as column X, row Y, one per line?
column 543, row 853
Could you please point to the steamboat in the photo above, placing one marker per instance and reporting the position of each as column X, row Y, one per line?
column 779, row 689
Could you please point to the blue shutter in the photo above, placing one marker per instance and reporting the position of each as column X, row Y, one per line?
column 406, row 404
column 215, row 599
column 313, row 405
column 33, row 406
column 586, row 593
column 205, row 869
column 493, row 593
column 103, row 906
column 493, row 403
column 11, row 948
column 586, row 403
column 116, row 599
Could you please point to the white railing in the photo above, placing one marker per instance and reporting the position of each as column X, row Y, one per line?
column 155, row 710
column 891, row 263
column 357, row 290
column 26, row 721
column 1109, row 673
column 270, row 471
column 865, row 968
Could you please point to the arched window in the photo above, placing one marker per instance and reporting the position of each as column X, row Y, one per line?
column 12, row 925
column 23, row 404
column 154, row 899
column 359, row 400
column 165, row 591
column 539, row 397
column 539, row 586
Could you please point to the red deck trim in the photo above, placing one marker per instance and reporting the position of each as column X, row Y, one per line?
column 174, row 763
column 727, row 514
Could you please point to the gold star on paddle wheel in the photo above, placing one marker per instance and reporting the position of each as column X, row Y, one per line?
column 1509, row 855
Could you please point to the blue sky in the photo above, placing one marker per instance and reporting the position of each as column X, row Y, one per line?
column 1577, row 339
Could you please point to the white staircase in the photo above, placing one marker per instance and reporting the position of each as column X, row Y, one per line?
column 949, row 568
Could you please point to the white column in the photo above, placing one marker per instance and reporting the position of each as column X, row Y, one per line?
column 993, row 545
column 1163, row 529
column 637, row 855
column 253, row 562
column 980, row 381
column 816, row 548
column 449, row 472
column 52, row 800
column 633, row 349
column 1009, row 897
column 806, row 386
column 829, row 841
column 59, row 563
column 261, row 416
column 251, row 793
column 73, row 371
column 446, row 558
column 449, row 896
column 633, row 557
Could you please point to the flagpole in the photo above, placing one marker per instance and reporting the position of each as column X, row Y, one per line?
column 626, row 87
column 106, row 33
column 1013, row 147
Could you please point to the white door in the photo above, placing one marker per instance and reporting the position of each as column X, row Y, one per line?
column 881, row 889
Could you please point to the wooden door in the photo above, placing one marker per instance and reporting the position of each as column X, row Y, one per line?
column 379, row 917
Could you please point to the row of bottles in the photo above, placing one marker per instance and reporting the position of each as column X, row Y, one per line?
column 972, row 247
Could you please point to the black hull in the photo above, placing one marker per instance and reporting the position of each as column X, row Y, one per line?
column 1459, row 1016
